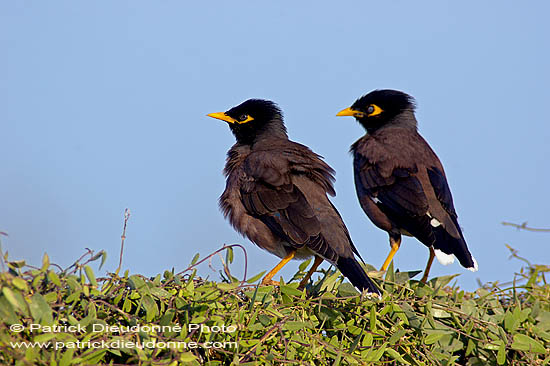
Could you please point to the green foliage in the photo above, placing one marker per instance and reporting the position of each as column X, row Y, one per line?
column 181, row 319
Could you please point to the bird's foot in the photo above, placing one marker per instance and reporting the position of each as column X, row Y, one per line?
column 270, row 282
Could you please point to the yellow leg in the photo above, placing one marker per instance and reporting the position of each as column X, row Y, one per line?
column 267, row 279
column 305, row 280
column 428, row 266
column 395, row 244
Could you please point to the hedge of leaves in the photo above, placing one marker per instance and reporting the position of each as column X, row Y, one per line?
column 66, row 313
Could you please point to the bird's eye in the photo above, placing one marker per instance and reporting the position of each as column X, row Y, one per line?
column 243, row 117
column 373, row 110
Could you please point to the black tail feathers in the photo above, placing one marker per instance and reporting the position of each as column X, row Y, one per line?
column 457, row 246
column 353, row 271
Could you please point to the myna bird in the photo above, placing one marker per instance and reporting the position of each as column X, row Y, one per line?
column 400, row 181
column 276, row 195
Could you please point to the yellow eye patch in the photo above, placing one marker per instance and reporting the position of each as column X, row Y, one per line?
column 374, row 110
column 224, row 117
column 247, row 119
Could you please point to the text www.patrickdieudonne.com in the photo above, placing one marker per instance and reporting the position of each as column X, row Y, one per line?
column 121, row 343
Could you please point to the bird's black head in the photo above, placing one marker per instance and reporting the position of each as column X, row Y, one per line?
column 379, row 107
column 253, row 118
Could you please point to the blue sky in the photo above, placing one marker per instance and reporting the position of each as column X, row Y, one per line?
column 103, row 106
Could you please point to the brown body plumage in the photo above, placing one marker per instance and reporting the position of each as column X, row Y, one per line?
column 276, row 194
column 400, row 181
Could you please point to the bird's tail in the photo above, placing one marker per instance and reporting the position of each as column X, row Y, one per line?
column 454, row 246
column 353, row 271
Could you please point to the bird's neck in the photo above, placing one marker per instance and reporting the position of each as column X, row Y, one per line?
column 274, row 129
column 405, row 119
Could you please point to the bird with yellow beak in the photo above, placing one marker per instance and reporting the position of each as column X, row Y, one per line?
column 400, row 182
column 276, row 195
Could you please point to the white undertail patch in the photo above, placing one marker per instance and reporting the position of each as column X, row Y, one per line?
column 434, row 223
column 474, row 268
column 443, row 258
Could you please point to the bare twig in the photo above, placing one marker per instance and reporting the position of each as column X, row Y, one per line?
column 263, row 339
column 2, row 252
column 524, row 226
column 215, row 253
column 122, row 238
column 76, row 264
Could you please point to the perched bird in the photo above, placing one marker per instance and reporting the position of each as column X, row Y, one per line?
column 400, row 181
column 276, row 195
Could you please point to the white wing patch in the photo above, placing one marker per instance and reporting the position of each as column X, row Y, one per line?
column 434, row 222
column 444, row 259
column 375, row 199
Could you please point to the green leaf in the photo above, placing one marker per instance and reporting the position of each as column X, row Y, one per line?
column 150, row 307
column 470, row 347
column 523, row 342
column 396, row 356
column 328, row 282
column 390, row 273
column 347, row 289
column 377, row 354
column 73, row 297
column 290, row 291
column 501, row 354
column 400, row 313
column 14, row 299
column 187, row 357
column 67, row 357
column 264, row 319
column 90, row 275
column 229, row 255
column 403, row 277
column 45, row 262
column 17, row 264
column 433, row 337
column 45, row 337
column 295, row 325
column 513, row 319
column 303, row 266
column 227, row 286
column 439, row 282
column 136, row 283
column 50, row 297
column 395, row 337
column 255, row 278
column 40, row 310
column 195, row 258
column 20, row 284
column 54, row 278
column 160, row 293
column 372, row 319
column 440, row 313
column 7, row 313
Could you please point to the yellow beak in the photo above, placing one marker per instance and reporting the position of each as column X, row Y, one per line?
column 347, row 112
column 222, row 116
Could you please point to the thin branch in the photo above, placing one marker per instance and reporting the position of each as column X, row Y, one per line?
column 524, row 226
column 209, row 258
column 122, row 238
column 2, row 252
column 263, row 339
column 76, row 264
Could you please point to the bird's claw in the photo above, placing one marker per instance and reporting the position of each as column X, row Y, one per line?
column 270, row 282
